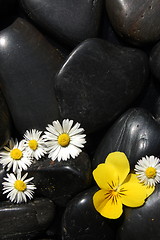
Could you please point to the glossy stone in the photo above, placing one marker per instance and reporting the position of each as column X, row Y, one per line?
column 55, row 229
column 82, row 222
column 70, row 21
column 143, row 222
column 149, row 97
column 98, row 81
column 60, row 181
column 24, row 221
column 137, row 21
column 136, row 133
column 28, row 64
column 2, row 175
column 157, row 110
column 5, row 122
column 155, row 61
column 107, row 32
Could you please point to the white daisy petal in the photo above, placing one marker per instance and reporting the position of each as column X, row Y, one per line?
column 77, row 142
column 6, row 148
column 77, row 131
column 14, row 155
column 148, row 170
column 34, row 144
column 58, row 126
column 74, row 128
column 51, row 129
column 21, row 145
column 67, row 124
column 67, row 143
column 53, row 154
column 19, row 189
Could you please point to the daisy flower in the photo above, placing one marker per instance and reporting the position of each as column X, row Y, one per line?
column 18, row 188
column 148, row 170
column 14, row 156
column 34, row 143
column 64, row 140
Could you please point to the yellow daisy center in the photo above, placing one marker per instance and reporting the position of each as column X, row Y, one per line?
column 33, row 144
column 150, row 172
column 64, row 139
column 20, row 185
column 16, row 154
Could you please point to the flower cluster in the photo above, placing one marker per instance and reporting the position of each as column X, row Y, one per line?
column 119, row 187
column 58, row 141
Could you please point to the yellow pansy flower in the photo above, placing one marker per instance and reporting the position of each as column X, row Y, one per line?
column 117, row 186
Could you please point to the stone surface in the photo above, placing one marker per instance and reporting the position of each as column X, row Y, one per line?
column 5, row 122
column 70, row 21
column 157, row 110
column 28, row 64
column 136, row 133
column 24, row 221
column 98, row 81
column 155, row 61
column 60, row 181
column 143, row 222
column 55, row 229
column 137, row 21
column 149, row 96
column 2, row 175
column 107, row 32
column 82, row 222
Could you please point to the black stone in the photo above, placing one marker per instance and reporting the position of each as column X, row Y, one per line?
column 107, row 32
column 70, row 21
column 82, row 222
column 136, row 133
column 157, row 110
column 55, row 230
column 143, row 222
column 5, row 122
column 60, row 181
column 149, row 96
column 155, row 61
column 24, row 221
column 98, row 81
column 137, row 21
column 2, row 175
column 28, row 64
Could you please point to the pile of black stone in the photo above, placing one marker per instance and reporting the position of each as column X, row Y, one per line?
column 96, row 62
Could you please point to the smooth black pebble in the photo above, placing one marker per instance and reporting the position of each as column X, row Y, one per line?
column 82, row 222
column 28, row 64
column 69, row 21
column 142, row 222
column 60, row 181
column 98, row 81
column 25, row 221
column 136, row 133
column 136, row 21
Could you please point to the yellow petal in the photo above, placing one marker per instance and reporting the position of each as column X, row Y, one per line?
column 149, row 190
column 132, row 192
column 106, row 175
column 107, row 208
column 121, row 164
